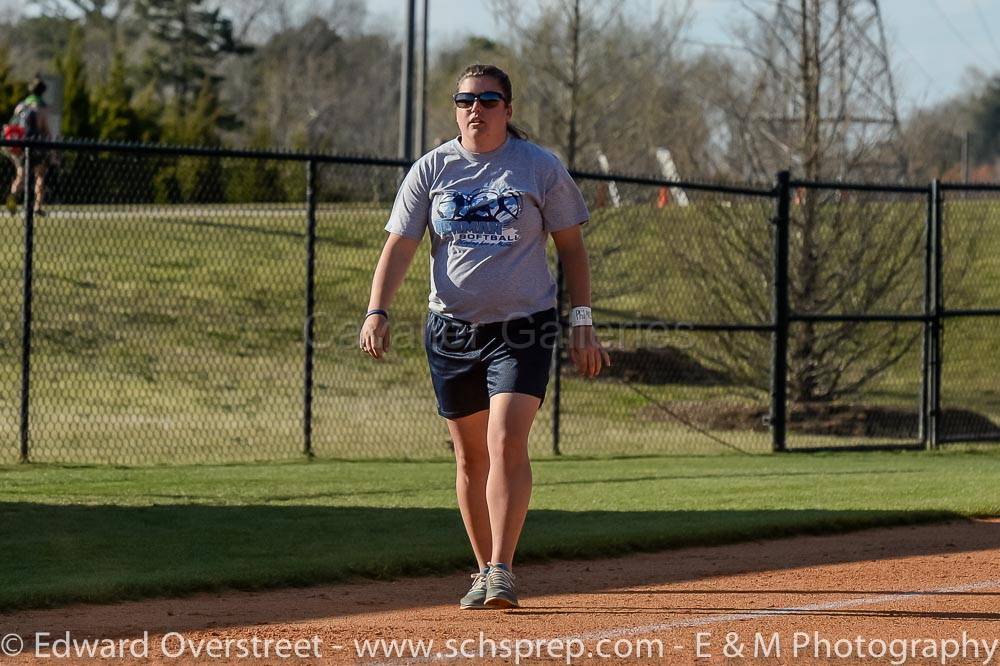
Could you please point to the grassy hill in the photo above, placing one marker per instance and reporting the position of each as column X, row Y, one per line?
column 174, row 333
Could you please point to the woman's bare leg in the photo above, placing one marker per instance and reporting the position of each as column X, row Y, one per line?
column 39, row 185
column 508, row 490
column 472, row 469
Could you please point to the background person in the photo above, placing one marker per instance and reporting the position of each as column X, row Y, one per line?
column 491, row 199
column 31, row 116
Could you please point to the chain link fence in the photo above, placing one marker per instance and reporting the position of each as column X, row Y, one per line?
column 193, row 305
column 857, row 261
column 167, row 292
column 681, row 283
column 969, row 300
column 11, row 273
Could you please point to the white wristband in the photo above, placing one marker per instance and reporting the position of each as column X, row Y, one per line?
column 581, row 316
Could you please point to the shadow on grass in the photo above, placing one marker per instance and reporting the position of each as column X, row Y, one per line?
column 56, row 554
column 403, row 492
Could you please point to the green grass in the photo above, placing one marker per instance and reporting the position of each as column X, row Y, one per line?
column 103, row 533
column 172, row 334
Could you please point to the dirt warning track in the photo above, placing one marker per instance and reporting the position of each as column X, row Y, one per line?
column 917, row 595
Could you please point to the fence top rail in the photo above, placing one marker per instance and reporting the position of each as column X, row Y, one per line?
column 748, row 190
column 207, row 151
column 291, row 156
column 971, row 312
column 203, row 151
column 859, row 187
column 981, row 187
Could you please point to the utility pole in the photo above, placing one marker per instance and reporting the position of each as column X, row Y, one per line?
column 574, row 85
column 406, row 86
column 422, row 85
column 966, row 140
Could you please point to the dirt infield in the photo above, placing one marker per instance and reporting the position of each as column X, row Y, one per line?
column 900, row 595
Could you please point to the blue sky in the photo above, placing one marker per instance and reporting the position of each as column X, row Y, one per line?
column 932, row 42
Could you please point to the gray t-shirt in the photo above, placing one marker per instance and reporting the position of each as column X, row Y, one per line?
column 490, row 215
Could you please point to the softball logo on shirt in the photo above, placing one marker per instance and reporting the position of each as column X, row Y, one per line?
column 482, row 217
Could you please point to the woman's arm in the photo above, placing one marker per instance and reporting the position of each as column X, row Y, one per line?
column 397, row 255
column 584, row 349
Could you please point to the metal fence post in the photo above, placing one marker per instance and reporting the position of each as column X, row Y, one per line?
column 925, row 360
column 780, row 312
column 29, row 247
column 557, row 360
column 310, row 306
column 934, row 412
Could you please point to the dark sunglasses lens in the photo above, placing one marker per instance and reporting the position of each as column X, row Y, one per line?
column 487, row 99
column 490, row 99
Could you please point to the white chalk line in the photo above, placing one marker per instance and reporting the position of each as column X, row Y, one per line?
column 595, row 636
column 770, row 612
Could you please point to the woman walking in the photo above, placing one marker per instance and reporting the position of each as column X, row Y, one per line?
column 491, row 199
column 30, row 121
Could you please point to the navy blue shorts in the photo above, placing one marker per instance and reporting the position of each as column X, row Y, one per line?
column 470, row 363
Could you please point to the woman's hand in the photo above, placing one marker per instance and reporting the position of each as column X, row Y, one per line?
column 586, row 351
column 374, row 336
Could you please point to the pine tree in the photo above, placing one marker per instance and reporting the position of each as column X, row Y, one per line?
column 76, row 95
column 258, row 180
column 12, row 90
column 193, row 179
column 114, row 117
column 149, row 114
column 188, row 39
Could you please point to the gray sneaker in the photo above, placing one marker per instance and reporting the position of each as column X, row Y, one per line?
column 476, row 595
column 500, row 588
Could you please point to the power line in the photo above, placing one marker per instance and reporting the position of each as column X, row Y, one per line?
column 957, row 32
column 913, row 58
column 986, row 26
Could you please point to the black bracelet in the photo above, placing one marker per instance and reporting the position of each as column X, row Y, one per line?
column 378, row 312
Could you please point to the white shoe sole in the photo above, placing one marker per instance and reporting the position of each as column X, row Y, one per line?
column 498, row 602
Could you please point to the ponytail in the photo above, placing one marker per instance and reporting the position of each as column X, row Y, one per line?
column 516, row 132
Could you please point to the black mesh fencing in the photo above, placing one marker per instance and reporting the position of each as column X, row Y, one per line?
column 363, row 407
column 970, row 303
column 196, row 305
column 166, row 312
column 11, row 297
column 857, row 266
column 681, row 284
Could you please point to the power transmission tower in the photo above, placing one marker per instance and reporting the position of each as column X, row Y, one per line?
column 830, row 101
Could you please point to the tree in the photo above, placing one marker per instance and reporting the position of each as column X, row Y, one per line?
column 584, row 65
column 933, row 138
column 107, row 25
column 12, row 89
column 37, row 42
column 326, row 86
column 816, row 75
column 193, row 179
column 987, row 122
column 107, row 14
column 76, row 94
column 149, row 111
column 114, row 117
column 188, row 40
column 259, row 180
